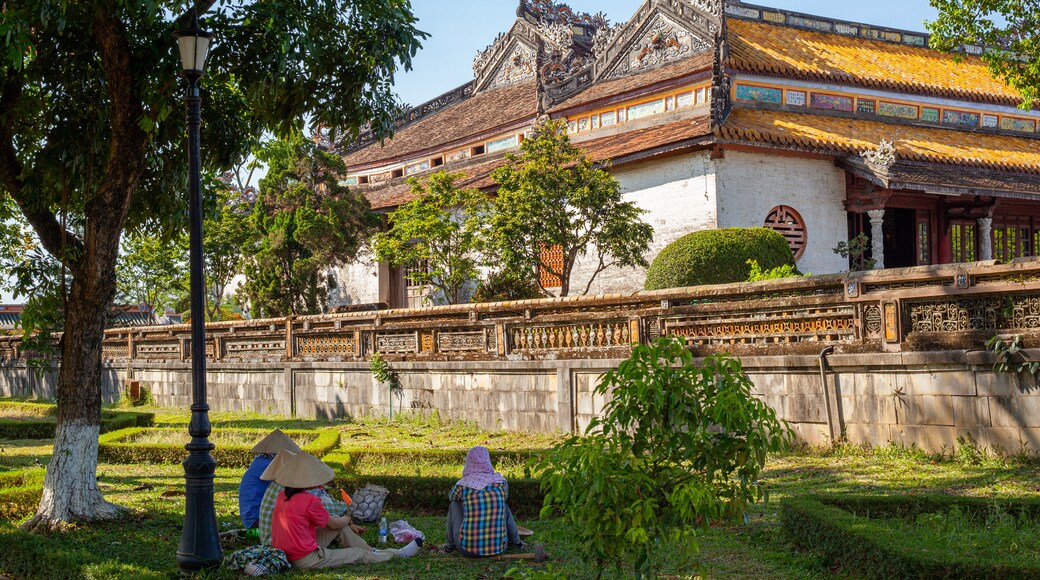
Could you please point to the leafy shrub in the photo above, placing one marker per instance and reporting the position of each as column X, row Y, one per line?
column 505, row 285
column 20, row 492
column 30, row 409
column 679, row 445
column 119, row 447
column 758, row 275
column 717, row 257
column 872, row 536
column 44, row 428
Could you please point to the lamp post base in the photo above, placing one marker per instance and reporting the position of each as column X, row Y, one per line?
column 200, row 541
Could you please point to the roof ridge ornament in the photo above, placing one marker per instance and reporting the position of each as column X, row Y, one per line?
column 883, row 157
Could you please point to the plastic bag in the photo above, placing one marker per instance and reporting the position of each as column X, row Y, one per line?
column 368, row 503
column 403, row 532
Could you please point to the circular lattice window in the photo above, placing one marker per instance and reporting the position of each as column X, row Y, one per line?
column 789, row 223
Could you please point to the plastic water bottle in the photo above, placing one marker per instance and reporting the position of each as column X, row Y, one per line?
column 382, row 531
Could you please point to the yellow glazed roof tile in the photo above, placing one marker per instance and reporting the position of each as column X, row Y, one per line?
column 838, row 135
column 768, row 49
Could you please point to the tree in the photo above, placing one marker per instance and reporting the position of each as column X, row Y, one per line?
column 306, row 223
column 151, row 270
column 552, row 196
column 1008, row 29
column 90, row 128
column 438, row 236
column 227, row 235
column 679, row 444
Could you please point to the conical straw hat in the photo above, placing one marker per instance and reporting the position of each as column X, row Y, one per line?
column 275, row 442
column 303, row 471
column 280, row 460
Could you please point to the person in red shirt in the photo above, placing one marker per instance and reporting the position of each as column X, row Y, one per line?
column 303, row 529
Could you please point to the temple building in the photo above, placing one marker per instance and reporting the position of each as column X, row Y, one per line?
column 718, row 113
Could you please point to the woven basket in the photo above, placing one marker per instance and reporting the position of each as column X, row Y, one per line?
column 368, row 503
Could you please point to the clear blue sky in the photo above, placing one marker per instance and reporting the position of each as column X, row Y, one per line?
column 459, row 28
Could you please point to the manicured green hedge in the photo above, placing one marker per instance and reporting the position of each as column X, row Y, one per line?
column 438, row 456
column 717, row 257
column 850, row 531
column 44, row 427
column 33, row 409
column 20, row 492
column 430, row 494
column 118, row 447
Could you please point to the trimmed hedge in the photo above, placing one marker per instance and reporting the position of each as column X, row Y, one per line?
column 429, row 495
column 845, row 530
column 350, row 457
column 44, row 428
column 717, row 257
column 118, row 447
column 20, row 492
column 34, row 409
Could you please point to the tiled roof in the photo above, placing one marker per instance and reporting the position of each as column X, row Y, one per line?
column 761, row 48
column 475, row 175
column 648, row 81
column 844, row 136
column 660, row 137
column 656, row 139
column 480, row 114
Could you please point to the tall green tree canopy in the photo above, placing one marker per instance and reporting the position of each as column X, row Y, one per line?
column 552, row 195
column 91, row 127
column 305, row 223
column 1008, row 29
column 438, row 236
column 227, row 236
column 152, row 271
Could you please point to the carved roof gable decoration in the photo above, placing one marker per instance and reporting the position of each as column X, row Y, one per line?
column 661, row 31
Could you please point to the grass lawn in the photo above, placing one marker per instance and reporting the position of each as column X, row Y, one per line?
column 144, row 545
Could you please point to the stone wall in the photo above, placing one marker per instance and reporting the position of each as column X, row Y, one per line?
column 925, row 399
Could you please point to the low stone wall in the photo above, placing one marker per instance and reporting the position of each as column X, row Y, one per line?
column 924, row 398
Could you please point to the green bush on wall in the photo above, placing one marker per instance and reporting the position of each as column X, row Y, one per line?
column 717, row 257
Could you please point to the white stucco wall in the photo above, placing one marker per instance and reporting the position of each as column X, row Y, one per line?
column 678, row 194
column 358, row 283
column 749, row 185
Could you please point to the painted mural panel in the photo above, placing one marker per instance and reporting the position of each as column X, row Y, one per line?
column 961, row 118
column 897, row 110
column 831, row 102
column 867, row 106
column 759, row 94
column 1021, row 125
column 796, row 98
column 930, row 114
column 645, row 110
column 506, row 143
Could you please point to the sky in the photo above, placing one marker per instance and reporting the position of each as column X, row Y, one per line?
column 460, row 28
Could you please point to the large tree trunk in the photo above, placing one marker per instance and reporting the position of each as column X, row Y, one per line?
column 70, row 491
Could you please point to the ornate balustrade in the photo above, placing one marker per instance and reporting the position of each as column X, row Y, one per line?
column 897, row 309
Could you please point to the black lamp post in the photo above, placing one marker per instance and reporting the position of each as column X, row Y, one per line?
column 200, row 540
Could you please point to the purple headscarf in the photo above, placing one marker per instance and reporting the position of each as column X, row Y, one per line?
column 478, row 473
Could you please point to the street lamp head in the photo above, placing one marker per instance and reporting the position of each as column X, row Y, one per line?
column 193, row 44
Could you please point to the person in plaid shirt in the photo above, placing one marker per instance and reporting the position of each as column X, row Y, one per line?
column 479, row 521
column 334, row 506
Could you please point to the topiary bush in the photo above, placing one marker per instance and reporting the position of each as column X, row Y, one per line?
column 505, row 285
column 44, row 426
column 717, row 257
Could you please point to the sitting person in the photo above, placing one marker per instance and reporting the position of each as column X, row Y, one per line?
column 251, row 489
column 302, row 527
column 479, row 521
column 332, row 505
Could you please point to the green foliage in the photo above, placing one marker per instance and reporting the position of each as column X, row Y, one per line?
column 503, row 285
column 679, row 445
column 786, row 271
column 226, row 237
column 856, row 251
column 1008, row 31
column 717, row 257
column 438, row 236
column 1011, row 356
column 430, row 494
column 152, row 270
column 120, row 447
column 305, row 223
column 553, row 195
column 969, row 451
column 918, row 536
column 381, row 370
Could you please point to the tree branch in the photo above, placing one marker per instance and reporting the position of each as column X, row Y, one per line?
column 200, row 7
column 43, row 221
